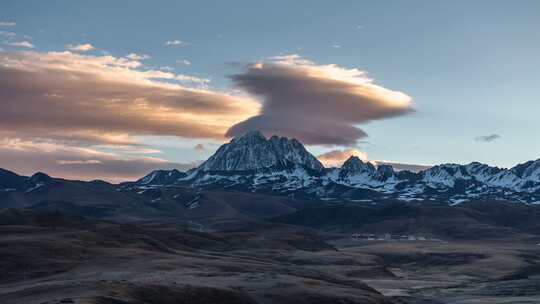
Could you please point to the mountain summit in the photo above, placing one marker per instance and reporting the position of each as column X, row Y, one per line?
column 253, row 152
column 279, row 165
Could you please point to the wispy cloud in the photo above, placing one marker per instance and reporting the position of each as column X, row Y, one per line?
column 192, row 79
column 487, row 138
column 85, row 47
column 8, row 34
column 317, row 104
column 336, row 46
column 175, row 43
column 7, row 23
column 134, row 56
column 401, row 166
column 21, row 44
column 78, row 162
column 183, row 61
column 199, row 147
column 25, row 157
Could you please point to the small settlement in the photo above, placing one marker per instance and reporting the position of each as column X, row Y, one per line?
column 389, row 237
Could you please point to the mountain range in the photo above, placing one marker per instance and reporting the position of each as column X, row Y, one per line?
column 264, row 220
column 278, row 165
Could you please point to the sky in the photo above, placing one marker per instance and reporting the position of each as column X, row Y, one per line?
column 114, row 89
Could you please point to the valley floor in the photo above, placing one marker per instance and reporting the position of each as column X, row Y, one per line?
column 108, row 263
column 454, row 272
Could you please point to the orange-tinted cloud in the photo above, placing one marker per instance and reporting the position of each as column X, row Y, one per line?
column 27, row 157
column 317, row 104
column 103, row 99
column 336, row 158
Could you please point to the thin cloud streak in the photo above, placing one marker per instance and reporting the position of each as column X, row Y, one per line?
column 402, row 166
column 175, row 43
column 21, row 44
column 134, row 56
column 336, row 158
column 487, row 138
column 80, row 47
column 8, row 34
column 184, row 62
column 69, row 162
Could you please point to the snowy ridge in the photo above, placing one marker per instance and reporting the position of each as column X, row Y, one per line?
column 283, row 166
column 162, row 177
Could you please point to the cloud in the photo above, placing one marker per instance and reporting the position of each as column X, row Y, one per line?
column 199, row 147
column 21, row 44
column 7, row 23
column 487, row 138
column 192, row 79
column 317, row 104
column 78, row 163
column 81, row 116
column 336, row 158
column 81, row 99
column 183, row 61
column 134, row 56
column 80, row 47
column 401, row 166
column 174, row 43
column 8, row 34
column 336, row 46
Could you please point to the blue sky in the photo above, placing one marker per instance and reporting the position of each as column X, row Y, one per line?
column 470, row 67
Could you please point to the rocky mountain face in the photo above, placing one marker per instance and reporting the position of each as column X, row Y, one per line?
column 253, row 152
column 280, row 165
column 356, row 172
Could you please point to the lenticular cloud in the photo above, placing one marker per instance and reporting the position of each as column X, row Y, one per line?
column 317, row 104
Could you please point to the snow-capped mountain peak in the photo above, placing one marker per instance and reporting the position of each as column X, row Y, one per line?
column 354, row 166
column 253, row 152
column 279, row 165
column 356, row 172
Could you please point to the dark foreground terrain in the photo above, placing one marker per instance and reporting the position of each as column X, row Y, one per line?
column 74, row 242
column 50, row 257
